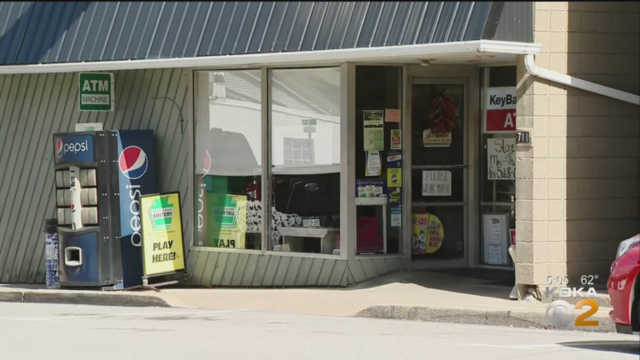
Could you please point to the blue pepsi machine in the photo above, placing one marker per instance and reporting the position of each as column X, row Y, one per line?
column 100, row 177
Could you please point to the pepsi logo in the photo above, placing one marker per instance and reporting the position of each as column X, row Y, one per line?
column 59, row 147
column 73, row 208
column 133, row 162
column 206, row 166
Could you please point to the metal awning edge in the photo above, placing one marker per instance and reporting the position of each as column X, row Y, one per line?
column 288, row 58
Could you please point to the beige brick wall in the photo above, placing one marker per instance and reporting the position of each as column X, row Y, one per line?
column 578, row 187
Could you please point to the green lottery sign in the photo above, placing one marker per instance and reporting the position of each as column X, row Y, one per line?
column 226, row 216
column 161, row 214
column 96, row 92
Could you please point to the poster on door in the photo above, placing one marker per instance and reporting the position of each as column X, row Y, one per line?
column 428, row 234
column 500, row 110
column 436, row 183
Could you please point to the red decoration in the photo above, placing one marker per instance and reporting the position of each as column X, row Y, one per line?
column 444, row 114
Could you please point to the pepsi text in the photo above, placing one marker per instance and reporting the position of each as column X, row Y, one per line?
column 134, row 207
column 73, row 148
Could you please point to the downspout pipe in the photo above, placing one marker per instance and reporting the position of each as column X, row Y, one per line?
column 564, row 79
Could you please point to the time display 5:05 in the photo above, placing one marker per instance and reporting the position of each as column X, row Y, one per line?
column 557, row 280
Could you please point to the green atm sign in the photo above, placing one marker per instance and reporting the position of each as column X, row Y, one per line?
column 96, row 92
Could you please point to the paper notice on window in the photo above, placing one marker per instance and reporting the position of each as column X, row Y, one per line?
column 436, row 183
column 501, row 159
column 373, row 163
column 396, row 216
column 396, row 139
column 393, row 115
column 373, row 130
column 494, row 228
column 394, row 177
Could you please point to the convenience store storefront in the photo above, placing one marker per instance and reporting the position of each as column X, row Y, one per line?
column 346, row 188
column 363, row 157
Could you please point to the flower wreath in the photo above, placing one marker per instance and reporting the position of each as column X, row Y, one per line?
column 444, row 115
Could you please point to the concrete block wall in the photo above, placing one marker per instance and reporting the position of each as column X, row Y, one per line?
column 578, row 186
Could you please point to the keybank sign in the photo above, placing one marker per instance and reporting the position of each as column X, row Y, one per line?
column 96, row 92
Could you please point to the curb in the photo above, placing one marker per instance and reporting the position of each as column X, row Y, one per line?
column 83, row 298
column 518, row 319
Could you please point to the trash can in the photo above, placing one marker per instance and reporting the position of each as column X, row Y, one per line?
column 51, row 253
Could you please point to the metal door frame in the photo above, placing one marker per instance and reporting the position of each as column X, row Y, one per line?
column 466, row 165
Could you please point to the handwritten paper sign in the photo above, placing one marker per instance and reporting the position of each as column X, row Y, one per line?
column 436, row 183
column 501, row 159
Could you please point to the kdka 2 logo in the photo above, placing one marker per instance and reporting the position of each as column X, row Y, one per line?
column 161, row 213
column 561, row 314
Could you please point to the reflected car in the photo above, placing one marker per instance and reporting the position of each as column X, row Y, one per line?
column 624, row 286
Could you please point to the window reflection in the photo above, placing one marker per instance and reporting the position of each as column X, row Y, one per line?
column 228, row 161
column 305, row 156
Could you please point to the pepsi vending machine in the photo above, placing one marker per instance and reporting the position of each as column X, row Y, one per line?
column 100, row 177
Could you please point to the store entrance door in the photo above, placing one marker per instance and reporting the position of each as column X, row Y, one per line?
column 439, row 167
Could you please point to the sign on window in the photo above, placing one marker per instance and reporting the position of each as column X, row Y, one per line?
column 501, row 159
column 436, row 183
column 500, row 110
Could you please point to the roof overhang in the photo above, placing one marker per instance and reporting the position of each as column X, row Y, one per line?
column 466, row 52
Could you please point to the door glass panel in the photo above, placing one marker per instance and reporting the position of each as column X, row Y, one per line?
column 435, row 110
column 438, row 176
column 432, row 185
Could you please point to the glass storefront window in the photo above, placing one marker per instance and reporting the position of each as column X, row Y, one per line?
column 228, row 143
column 304, row 142
column 498, row 161
column 379, row 149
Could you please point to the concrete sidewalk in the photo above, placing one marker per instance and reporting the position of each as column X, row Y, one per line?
column 417, row 295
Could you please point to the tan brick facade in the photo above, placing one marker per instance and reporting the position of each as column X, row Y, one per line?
column 578, row 187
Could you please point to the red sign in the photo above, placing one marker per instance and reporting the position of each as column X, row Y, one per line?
column 512, row 235
column 500, row 110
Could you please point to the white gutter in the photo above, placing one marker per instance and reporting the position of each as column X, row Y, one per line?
column 298, row 58
column 564, row 79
